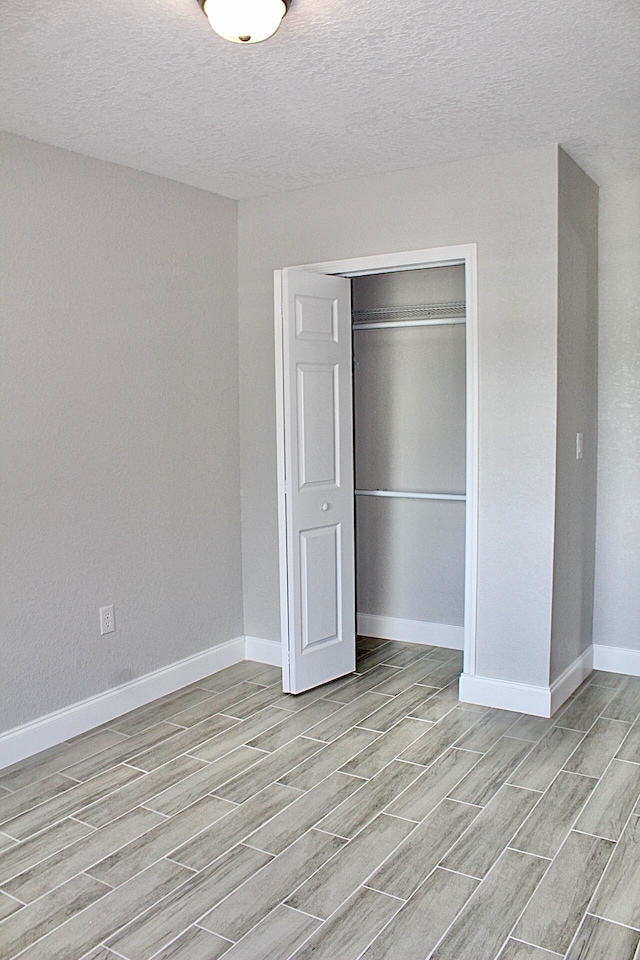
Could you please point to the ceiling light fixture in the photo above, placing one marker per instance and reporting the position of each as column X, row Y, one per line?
column 244, row 21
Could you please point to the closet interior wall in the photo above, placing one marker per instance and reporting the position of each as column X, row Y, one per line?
column 410, row 437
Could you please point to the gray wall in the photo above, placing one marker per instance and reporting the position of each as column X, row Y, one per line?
column 120, row 420
column 507, row 204
column 410, row 431
column 617, row 596
column 572, row 615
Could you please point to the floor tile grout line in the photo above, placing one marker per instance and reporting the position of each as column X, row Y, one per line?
column 551, row 953
column 110, row 891
column 594, row 895
column 617, row 923
column 85, row 869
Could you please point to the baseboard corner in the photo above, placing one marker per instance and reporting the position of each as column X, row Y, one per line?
column 616, row 659
column 263, row 651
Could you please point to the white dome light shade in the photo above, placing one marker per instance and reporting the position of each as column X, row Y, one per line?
column 245, row 21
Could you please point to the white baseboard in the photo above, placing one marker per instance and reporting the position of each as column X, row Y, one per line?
column 541, row 701
column 30, row 738
column 616, row 659
column 506, row 695
column 411, row 631
column 570, row 679
column 263, row 651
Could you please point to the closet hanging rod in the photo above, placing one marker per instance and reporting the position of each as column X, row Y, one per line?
column 380, row 324
column 409, row 495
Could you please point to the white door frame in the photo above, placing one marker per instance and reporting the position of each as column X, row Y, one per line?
column 389, row 263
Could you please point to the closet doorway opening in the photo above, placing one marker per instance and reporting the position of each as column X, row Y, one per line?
column 377, row 449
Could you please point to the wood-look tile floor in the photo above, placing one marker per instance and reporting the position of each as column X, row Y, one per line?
column 373, row 818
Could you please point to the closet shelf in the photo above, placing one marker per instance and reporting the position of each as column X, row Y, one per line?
column 413, row 315
column 410, row 495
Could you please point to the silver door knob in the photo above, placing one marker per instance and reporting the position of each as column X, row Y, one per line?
column 325, row 506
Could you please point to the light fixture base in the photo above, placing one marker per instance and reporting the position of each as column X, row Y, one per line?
column 245, row 21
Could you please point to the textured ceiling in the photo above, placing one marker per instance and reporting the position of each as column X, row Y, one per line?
column 345, row 88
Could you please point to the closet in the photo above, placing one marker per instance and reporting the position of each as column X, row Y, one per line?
column 409, row 346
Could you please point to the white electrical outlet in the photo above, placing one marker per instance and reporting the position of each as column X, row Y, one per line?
column 107, row 619
column 579, row 446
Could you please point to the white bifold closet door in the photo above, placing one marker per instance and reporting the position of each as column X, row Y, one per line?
column 318, row 418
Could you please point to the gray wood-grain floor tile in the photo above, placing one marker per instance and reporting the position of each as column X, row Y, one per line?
column 370, row 800
column 423, row 919
column 390, row 713
column 444, row 675
column 276, row 937
column 400, row 680
column 345, row 691
column 347, row 716
column 479, row 848
column 555, row 911
column 143, row 937
column 516, row 950
column 612, row 801
column 205, row 780
column 294, row 725
column 327, row 889
column 582, row 712
column 113, row 805
column 630, row 749
column 14, row 804
column 625, row 703
column 618, row 897
column 69, row 802
column 198, row 852
column 488, row 730
column 31, row 923
column 594, row 754
column 599, row 940
column 159, row 841
column 81, row 855
column 184, row 740
column 349, row 931
column 271, row 767
column 8, row 906
column 385, row 748
column 434, row 784
column 260, row 698
column 440, row 737
column 351, row 744
column 101, row 953
column 194, row 944
column 546, row 759
column 215, row 703
column 250, row 903
column 546, row 829
column 163, row 709
column 241, row 733
column 239, row 672
column 91, row 927
column 410, row 653
column 304, row 813
column 20, row 857
column 6, row 841
column 483, row 782
column 530, row 728
column 123, row 750
column 413, row 861
column 481, row 928
column 442, row 702
column 57, row 758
